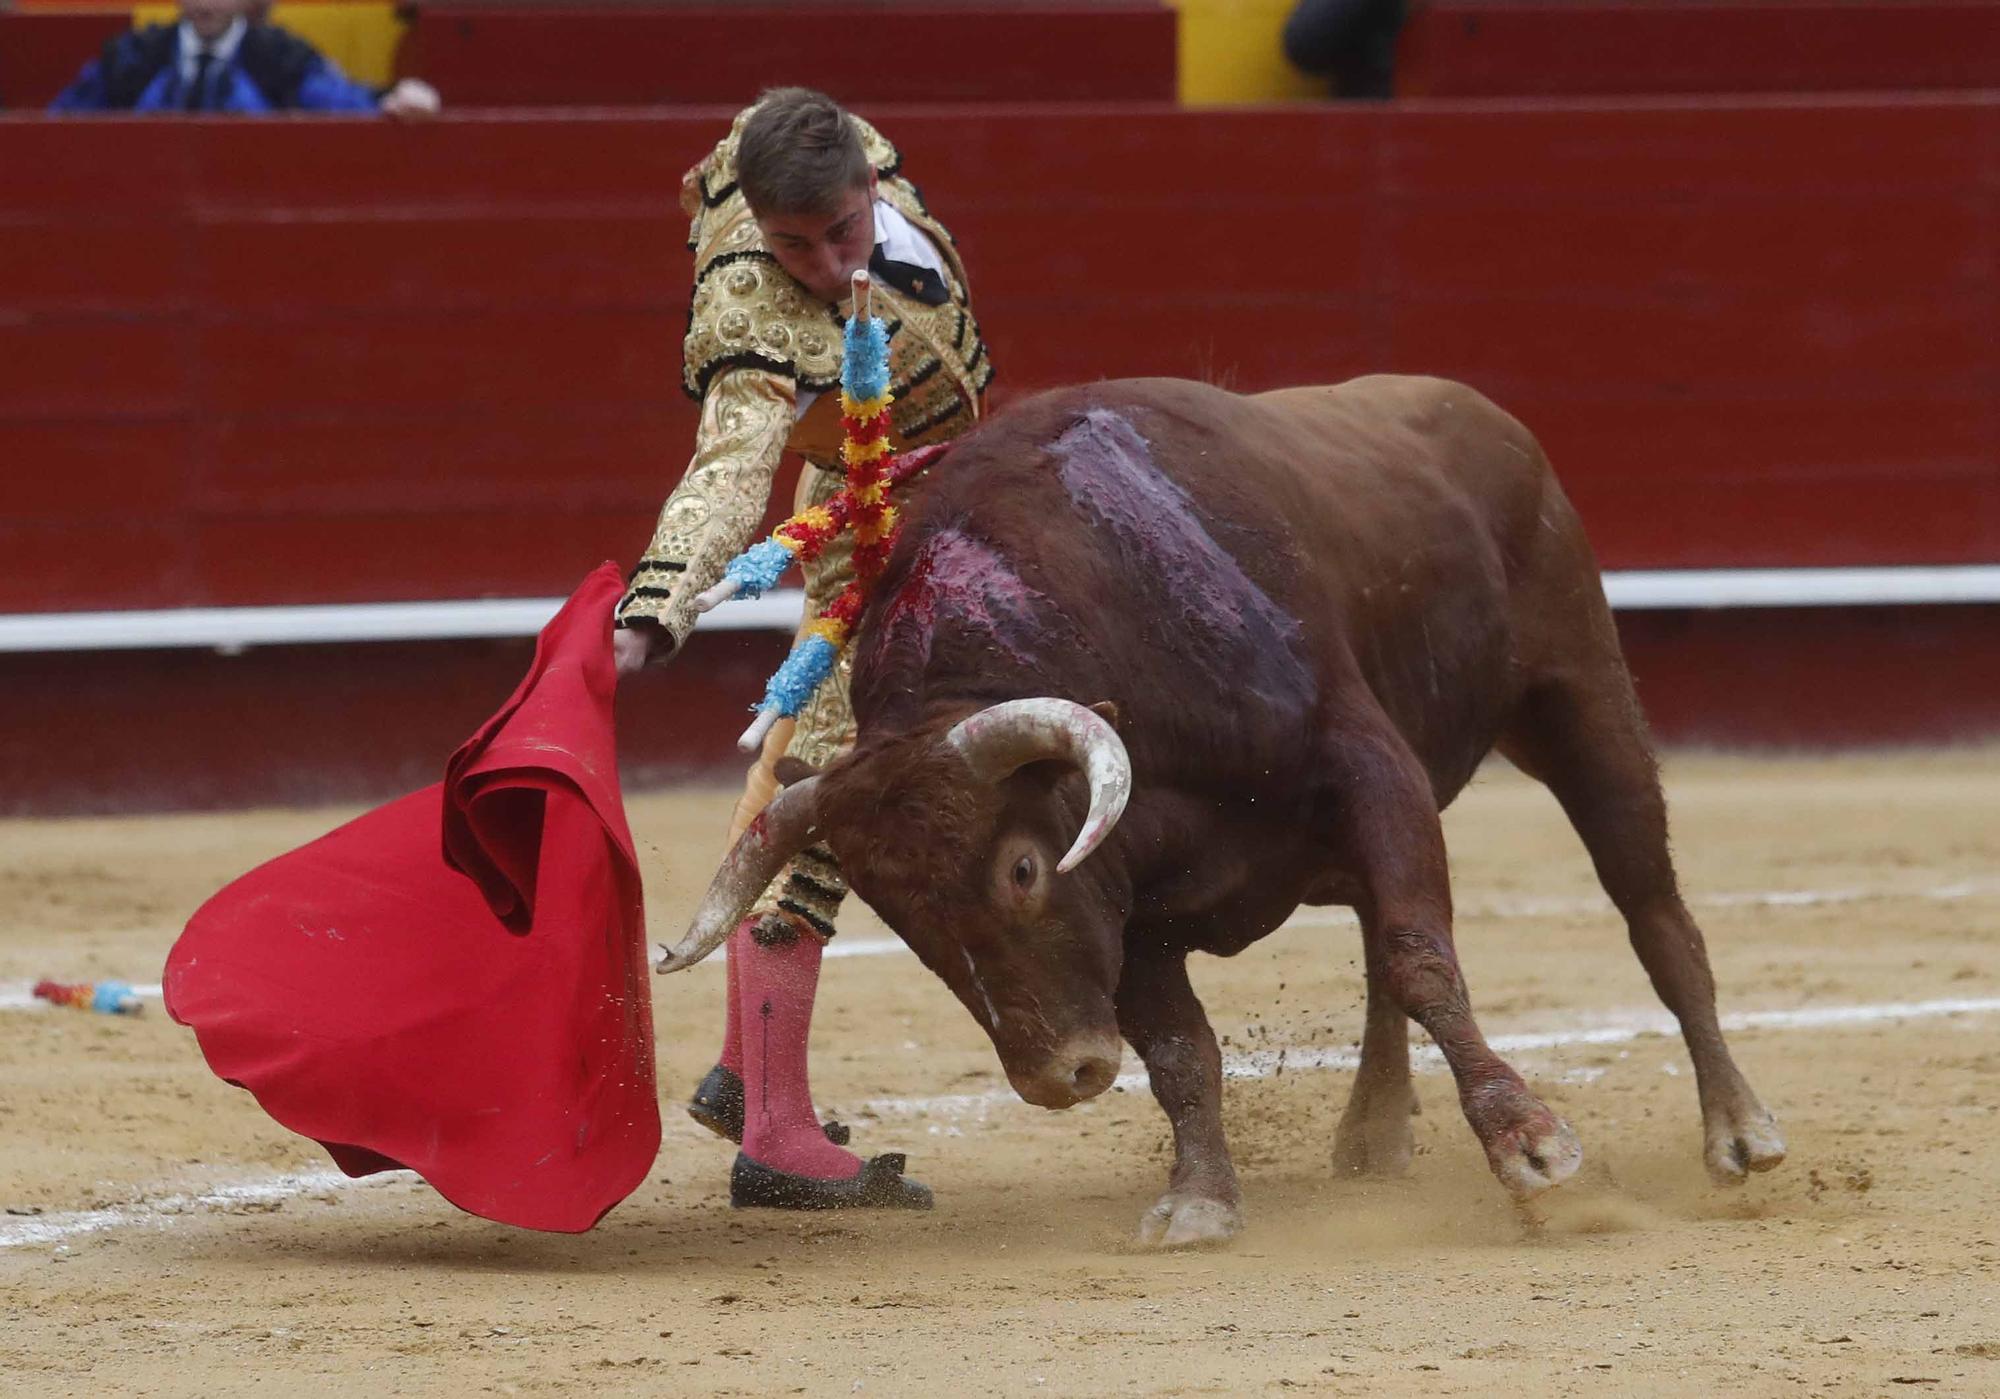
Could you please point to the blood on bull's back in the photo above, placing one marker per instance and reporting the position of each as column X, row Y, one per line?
column 1211, row 562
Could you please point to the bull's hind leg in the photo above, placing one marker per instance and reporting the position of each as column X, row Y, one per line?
column 1374, row 1136
column 1386, row 829
column 1586, row 741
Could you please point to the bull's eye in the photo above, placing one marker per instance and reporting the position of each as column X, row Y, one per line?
column 1024, row 871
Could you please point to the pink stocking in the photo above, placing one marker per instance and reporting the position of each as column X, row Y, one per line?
column 781, row 1128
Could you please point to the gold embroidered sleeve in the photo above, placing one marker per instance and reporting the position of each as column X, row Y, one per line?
column 746, row 415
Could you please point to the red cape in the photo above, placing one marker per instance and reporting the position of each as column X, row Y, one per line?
column 456, row 982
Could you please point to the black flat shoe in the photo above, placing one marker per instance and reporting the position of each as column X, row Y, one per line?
column 718, row 1105
column 880, row 1186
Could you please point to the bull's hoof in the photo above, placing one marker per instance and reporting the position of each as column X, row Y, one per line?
column 880, row 1186
column 1379, row 1144
column 1536, row 1156
column 1189, row 1221
column 1740, row 1141
column 718, row 1105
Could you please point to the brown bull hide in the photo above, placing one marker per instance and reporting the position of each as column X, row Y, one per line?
column 1315, row 611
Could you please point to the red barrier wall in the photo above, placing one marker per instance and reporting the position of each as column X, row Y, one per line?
column 41, row 53
column 113, row 731
column 585, row 55
column 505, row 55
column 130, row 730
column 322, row 360
column 1559, row 48
column 256, row 362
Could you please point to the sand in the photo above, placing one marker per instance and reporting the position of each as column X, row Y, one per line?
column 162, row 1236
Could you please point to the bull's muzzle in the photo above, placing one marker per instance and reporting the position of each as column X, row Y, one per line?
column 1076, row 1071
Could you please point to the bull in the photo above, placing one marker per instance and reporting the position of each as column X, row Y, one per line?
column 1153, row 664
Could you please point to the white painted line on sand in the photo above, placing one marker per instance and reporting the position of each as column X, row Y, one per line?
column 1746, row 898
column 1624, row 1029
column 54, row 1228
column 1570, row 907
column 16, row 1231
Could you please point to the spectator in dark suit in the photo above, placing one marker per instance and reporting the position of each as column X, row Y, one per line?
column 218, row 58
column 1353, row 42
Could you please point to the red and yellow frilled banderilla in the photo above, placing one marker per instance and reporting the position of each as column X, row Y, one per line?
column 862, row 504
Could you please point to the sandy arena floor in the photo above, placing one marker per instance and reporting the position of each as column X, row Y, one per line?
column 161, row 1236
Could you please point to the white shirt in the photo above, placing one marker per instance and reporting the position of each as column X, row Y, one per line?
column 900, row 241
column 223, row 50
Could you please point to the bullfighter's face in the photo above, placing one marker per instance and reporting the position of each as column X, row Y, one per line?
column 824, row 249
column 966, row 872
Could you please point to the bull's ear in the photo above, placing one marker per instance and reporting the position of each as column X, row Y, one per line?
column 789, row 770
column 1107, row 711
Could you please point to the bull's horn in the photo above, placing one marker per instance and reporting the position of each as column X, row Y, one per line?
column 1002, row 738
column 786, row 827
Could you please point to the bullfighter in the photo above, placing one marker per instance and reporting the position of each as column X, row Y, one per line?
column 796, row 198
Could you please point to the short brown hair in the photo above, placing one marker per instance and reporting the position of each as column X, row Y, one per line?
column 799, row 153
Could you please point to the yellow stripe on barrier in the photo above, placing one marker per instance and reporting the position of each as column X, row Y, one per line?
column 1231, row 53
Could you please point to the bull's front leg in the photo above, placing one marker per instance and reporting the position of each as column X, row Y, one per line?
column 1389, row 832
column 1161, row 1017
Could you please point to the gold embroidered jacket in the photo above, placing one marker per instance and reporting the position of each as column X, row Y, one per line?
column 756, row 339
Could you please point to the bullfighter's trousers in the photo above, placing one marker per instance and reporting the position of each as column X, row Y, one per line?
column 811, row 887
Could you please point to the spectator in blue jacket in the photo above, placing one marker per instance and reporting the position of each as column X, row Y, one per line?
column 220, row 59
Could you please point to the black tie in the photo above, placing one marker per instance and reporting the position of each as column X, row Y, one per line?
column 197, row 93
column 909, row 279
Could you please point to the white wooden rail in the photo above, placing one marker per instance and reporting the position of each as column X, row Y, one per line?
column 232, row 629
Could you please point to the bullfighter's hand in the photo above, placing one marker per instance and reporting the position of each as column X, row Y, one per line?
column 635, row 647
column 411, row 97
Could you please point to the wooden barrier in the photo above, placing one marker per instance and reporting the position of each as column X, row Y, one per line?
column 325, row 361
column 621, row 54
column 350, row 361
column 119, row 731
column 506, row 55
column 1554, row 48
column 41, row 52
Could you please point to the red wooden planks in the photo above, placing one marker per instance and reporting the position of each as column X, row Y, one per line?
column 543, row 257
column 1748, row 334
column 1540, row 48
column 1817, row 678
column 293, row 461
column 135, row 166
column 100, row 367
column 42, row 53
column 138, row 730
column 108, row 559
column 393, row 556
column 494, row 165
column 519, row 56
